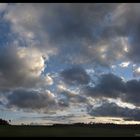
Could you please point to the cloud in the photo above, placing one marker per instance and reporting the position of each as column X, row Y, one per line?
column 108, row 109
column 21, row 67
column 31, row 100
column 75, row 75
column 25, row 21
column 1, row 103
column 126, row 25
column 90, row 36
column 66, row 98
column 124, row 64
column 84, row 39
column 41, row 101
column 3, row 6
column 132, row 94
column 112, row 86
column 63, row 118
column 86, row 33
column 70, row 96
column 66, row 18
column 108, row 85
column 55, row 28
column 49, row 80
column 136, row 72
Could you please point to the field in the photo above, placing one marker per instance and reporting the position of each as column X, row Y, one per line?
column 69, row 131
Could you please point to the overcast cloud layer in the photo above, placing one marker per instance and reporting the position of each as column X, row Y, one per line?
column 62, row 57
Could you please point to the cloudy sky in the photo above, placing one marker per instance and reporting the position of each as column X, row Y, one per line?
column 67, row 63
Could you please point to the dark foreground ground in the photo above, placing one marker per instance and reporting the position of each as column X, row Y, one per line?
column 76, row 130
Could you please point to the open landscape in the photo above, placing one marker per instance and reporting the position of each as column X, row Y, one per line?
column 69, row 69
column 74, row 130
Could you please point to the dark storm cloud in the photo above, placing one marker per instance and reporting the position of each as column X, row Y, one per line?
column 75, row 75
column 31, row 100
column 112, row 86
column 133, row 92
column 108, row 85
column 9, row 66
column 1, row 103
column 113, row 110
column 74, row 22
column 41, row 101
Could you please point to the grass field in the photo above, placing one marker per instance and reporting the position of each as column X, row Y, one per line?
column 67, row 131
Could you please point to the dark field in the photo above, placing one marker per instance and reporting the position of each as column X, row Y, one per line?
column 70, row 131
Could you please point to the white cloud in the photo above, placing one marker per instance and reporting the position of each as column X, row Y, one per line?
column 90, row 71
column 49, row 79
column 33, row 59
column 113, row 67
column 136, row 71
column 124, row 64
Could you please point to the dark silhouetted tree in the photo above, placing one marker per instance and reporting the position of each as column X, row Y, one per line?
column 3, row 122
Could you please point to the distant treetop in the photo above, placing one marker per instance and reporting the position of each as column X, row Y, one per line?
column 3, row 122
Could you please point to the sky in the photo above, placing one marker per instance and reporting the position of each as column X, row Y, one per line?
column 68, row 63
